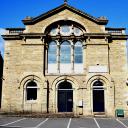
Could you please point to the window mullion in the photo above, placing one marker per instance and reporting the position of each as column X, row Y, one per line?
column 58, row 57
column 72, row 57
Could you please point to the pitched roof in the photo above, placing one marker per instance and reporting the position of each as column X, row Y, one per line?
column 29, row 20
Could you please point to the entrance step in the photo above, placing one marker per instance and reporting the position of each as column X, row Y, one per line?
column 99, row 114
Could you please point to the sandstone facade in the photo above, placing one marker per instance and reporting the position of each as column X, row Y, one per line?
column 104, row 60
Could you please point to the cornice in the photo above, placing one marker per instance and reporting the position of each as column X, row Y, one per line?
column 84, row 36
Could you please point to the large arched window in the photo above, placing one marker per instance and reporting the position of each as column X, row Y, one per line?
column 31, row 91
column 65, row 52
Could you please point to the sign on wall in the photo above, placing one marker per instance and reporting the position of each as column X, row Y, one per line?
column 95, row 69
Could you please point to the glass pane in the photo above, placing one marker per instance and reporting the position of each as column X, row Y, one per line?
column 65, row 43
column 52, row 51
column 78, row 43
column 78, row 52
column 98, row 83
column 78, row 59
column 52, row 43
column 53, row 31
column 31, row 84
column 31, row 93
column 65, row 52
column 65, row 85
column 65, row 58
column 51, row 58
column 77, row 31
column 65, row 28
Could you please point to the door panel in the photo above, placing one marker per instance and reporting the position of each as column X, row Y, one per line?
column 98, row 101
column 69, row 101
column 65, row 100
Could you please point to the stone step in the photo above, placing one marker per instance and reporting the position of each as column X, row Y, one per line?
column 99, row 114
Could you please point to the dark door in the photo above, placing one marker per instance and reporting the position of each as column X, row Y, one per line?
column 65, row 99
column 98, row 100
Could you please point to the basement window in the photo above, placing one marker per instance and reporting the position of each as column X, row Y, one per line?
column 31, row 90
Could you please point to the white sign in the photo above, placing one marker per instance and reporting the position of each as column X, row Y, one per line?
column 101, row 69
column 80, row 104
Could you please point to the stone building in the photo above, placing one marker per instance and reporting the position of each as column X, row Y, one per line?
column 65, row 60
column 1, row 76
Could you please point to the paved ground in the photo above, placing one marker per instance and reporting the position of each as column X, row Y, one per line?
column 19, row 122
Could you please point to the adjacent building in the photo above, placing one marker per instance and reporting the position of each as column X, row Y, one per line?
column 65, row 60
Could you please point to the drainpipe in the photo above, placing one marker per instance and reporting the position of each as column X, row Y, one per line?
column 47, row 96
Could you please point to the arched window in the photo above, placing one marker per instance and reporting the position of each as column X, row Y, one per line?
column 65, row 85
column 66, row 29
column 31, row 91
column 97, row 85
column 65, row 53
column 52, row 51
column 78, row 53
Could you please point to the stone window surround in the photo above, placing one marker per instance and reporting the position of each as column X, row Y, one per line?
column 25, row 92
column 58, row 42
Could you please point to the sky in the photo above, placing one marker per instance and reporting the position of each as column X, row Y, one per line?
column 13, row 11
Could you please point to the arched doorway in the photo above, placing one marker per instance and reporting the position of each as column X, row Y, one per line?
column 98, row 97
column 65, row 97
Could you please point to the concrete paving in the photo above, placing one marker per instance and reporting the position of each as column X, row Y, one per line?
column 83, row 123
column 56, row 123
column 20, row 122
column 109, row 123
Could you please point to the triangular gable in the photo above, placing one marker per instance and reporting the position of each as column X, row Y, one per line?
column 29, row 20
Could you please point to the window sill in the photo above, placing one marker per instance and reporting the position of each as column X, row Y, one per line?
column 31, row 101
column 59, row 74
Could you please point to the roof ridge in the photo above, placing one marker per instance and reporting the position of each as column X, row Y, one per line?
column 65, row 5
